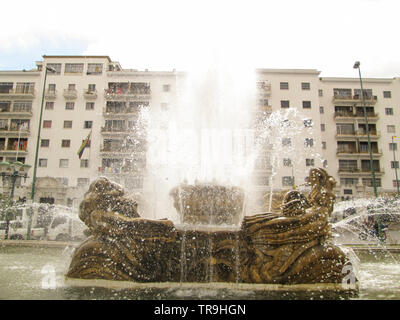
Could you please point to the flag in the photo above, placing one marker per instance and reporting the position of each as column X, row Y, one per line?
column 85, row 143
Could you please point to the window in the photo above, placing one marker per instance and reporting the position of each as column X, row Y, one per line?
column 43, row 163
column 391, row 128
column 387, row 94
column 324, row 145
column 44, row 143
column 69, row 105
column 5, row 106
column 82, row 182
column 52, row 88
column 56, row 67
column 49, row 105
column 308, row 123
column 320, row 93
column 166, row 87
column 284, row 103
column 305, row 86
column 6, row 87
column 389, row 111
column 46, row 123
column 286, row 142
column 4, row 124
column 393, row 146
column 308, row 142
column 63, row 163
column 287, row 162
column 306, row 104
column 25, row 87
column 65, row 143
column 321, row 110
column 322, row 127
column 91, row 88
column 84, row 163
column 287, row 181
column 22, row 106
column 394, row 164
column 284, row 85
column 396, row 183
column 367, row 182
column 87, row 124
column 348, row 165
column 73, row 67
column 89, row 105
column 309, row 162
column 71, row 87
column 67, row 124
column 95, row 68
column 348, row 181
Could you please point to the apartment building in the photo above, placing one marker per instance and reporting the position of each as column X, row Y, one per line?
column 93, row 96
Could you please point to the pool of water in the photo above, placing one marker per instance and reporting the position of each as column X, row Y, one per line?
column 38, row 273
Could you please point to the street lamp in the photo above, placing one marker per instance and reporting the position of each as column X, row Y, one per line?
column 357, row 66
column 12, row 171
column 52, row 70
column 371, row 161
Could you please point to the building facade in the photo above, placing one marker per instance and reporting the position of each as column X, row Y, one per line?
column 93, row 96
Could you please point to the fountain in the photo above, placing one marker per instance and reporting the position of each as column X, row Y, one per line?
column 291, row 247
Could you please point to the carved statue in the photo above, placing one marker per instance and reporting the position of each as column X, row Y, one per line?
column 289, row 247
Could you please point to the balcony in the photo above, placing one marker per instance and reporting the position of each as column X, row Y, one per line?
column 119, row 94
column 354, row 99
column 90, row 94
column 350, row 116
column 122, row 112
column 50, row 94
column 367, row 171
column 70, row 94
column 13, row 132
column 351, row 153
column 19, row 93
column 117, row 130
column 349, row 171
column 358, row 134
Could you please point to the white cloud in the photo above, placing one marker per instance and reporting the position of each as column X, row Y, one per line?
column 326, row 35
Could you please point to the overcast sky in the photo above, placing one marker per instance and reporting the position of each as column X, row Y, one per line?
column 162, row 35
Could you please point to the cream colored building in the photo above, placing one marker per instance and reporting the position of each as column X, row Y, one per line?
column 93, row 94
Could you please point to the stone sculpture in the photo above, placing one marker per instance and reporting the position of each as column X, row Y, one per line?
column 290, row 247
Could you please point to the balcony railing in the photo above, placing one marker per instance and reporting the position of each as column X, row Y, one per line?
column 351, row 115
column 113, row 129
column 19, row 93
column 50, row 94
column 358, row 134
column 90, row 94
column 354, row 99
column 70, row 94
column 110, row 94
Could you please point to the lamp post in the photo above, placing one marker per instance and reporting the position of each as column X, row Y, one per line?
column 12, row 171
column 357, row 66
column 37, row 152
column 371, row 161
column 395, row 167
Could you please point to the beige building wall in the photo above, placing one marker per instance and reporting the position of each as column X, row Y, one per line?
column 312, row 96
